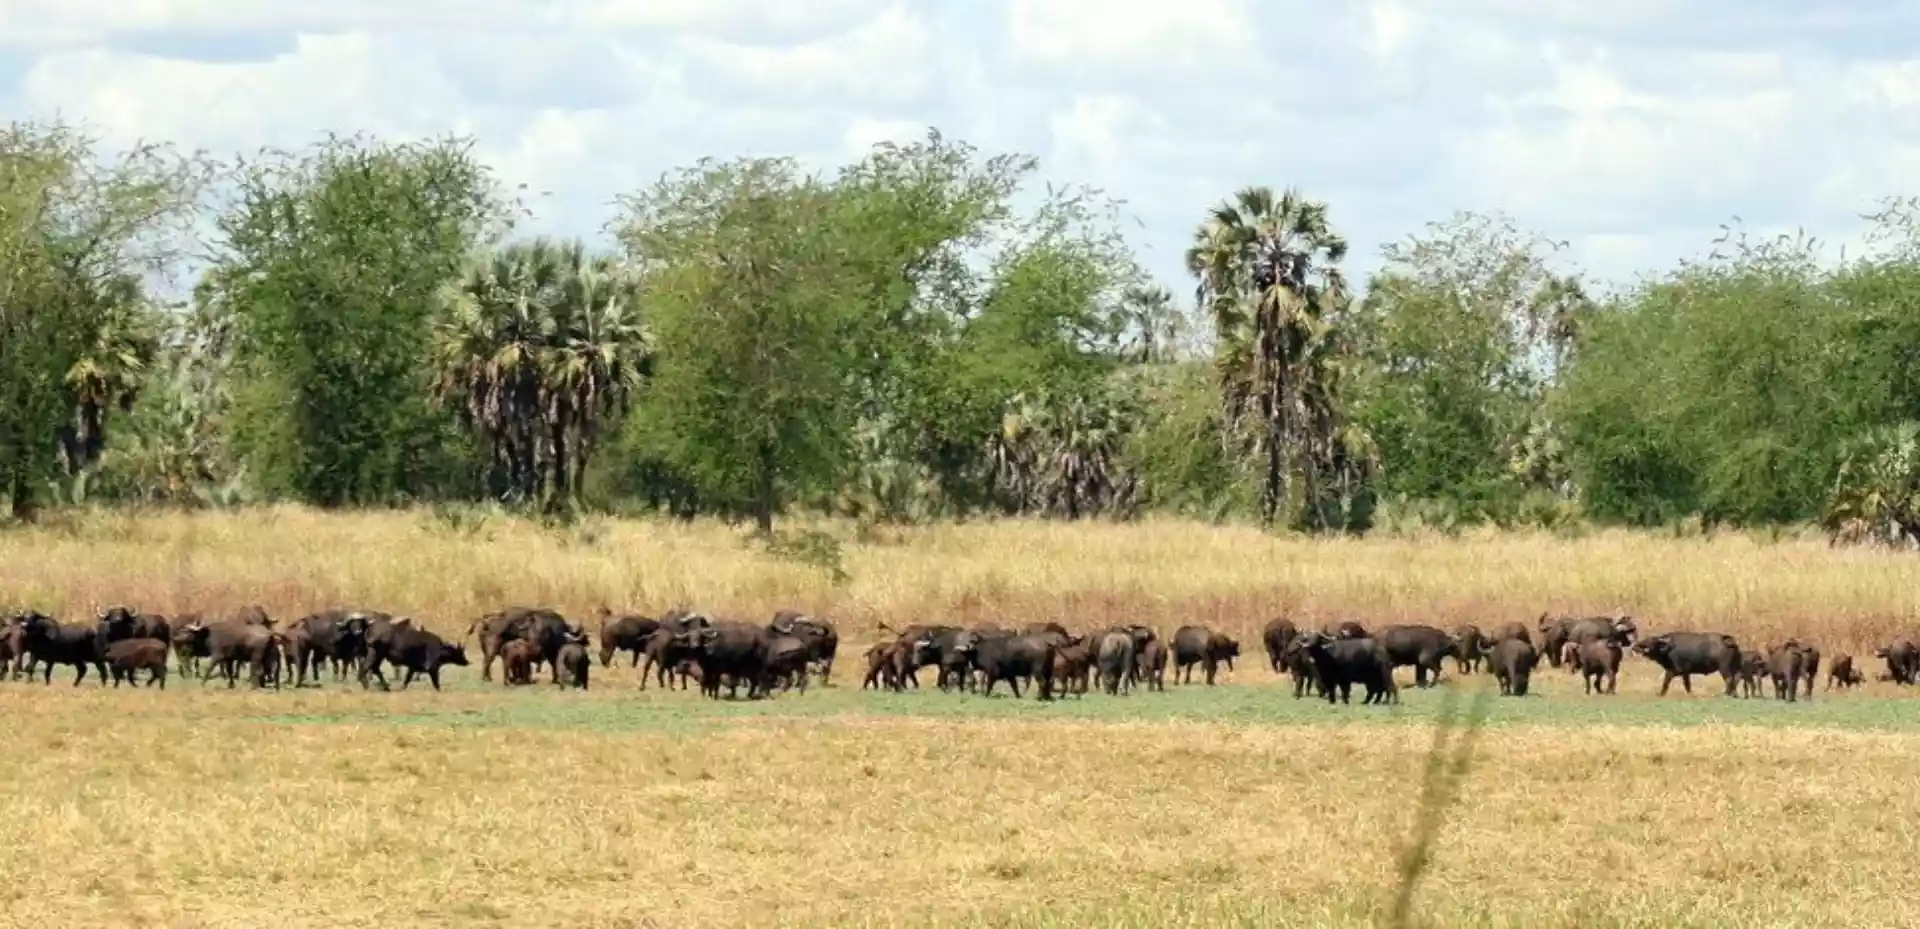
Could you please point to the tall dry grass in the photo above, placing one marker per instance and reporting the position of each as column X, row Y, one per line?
column 1165, row 572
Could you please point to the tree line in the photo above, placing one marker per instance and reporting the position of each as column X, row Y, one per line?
column 901, row 339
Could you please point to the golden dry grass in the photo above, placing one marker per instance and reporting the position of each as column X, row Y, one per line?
column 208, row 808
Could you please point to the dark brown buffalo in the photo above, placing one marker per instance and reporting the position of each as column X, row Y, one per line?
column 1010, row 658
column 12, row 647
column 119, row 623
column 1553, row 637
column 880, row 664
column 731, row 649
column 789, row 661
column 1472, row 645
column 821, row 638
column 1810, row 666
column 1341, row 663
column 626, row 632
column 336, row 639
column 1786, row 665
column 1903, row 660
column 415, row 650
column 1598, row 662
column 1072, row 662
column 127, row 656
column 1299, row 665
column 1842, row 672
column 1198, row 645
column 1753, row 669
column 666, row 656
column 52, row 642
column 1043, row 628
column 1512, row 630
column 545, row 628
column 1279, row 632
column 575, row 663
column 1513, row 660
column 1684, row 654
column 235, row 641
column 1425, row 648
column 1348, row 629
column 919, row 645
column 516, row 663
column 1152, row 661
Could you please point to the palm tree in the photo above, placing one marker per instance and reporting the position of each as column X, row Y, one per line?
column 1157, row 327
column 538, row 345
column 110, row 370
column 1268, row 275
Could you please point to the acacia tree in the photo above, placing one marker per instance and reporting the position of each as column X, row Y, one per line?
column 1269, row 276
column 539, row 345
column 76, row 235
column 752, row 302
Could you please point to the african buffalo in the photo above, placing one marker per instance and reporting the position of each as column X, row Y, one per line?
column 737, row 650
column 1198, row 645
column 1684, row 654
column 1426, row 648
column 1340, row 663
column 516, row 664
column 1842, row 672
column 1787, row 664
column 1152, row 661
column 1598, row 662
column 575, row 664
column 51, row 642
column 1753, row 668
column 1513, row 660
column 1279, row 632
column 415, row 650
column 1472, row 647
column 821, row 638
column 1114, row 656
column 789, row 658
column 627, row 632
column 1010, row 658
column 1903, row 660
column 127, row 656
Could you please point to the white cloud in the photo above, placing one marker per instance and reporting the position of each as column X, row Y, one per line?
column 1632, row 128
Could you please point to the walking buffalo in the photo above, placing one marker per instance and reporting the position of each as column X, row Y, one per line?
column 1471, row 648
column 820, row 637
column 51, row 642
column 1684, row 654
column 1198, row 645
column 1152, row 661
column 127, row 656
column 416, row 651
column 1598, row 662
column 574, row 662
column 1010, row 658
column 626, row 632
column 1279, row 632
column 1843, row 673
column 1426, row 648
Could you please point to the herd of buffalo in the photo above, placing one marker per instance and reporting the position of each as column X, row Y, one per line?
column 683, row 646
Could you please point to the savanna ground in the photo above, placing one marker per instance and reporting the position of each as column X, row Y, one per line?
column 1230, row 806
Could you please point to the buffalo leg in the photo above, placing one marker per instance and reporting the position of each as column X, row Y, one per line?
column 433, row 675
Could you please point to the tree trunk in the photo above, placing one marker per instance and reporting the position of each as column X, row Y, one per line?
column 562, row 492
column 20, row 495
column 766, row 500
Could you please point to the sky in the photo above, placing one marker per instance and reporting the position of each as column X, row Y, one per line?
column 1629, row 128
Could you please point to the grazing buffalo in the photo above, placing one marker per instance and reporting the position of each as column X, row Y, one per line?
column 1198, row 645
column 1341, row 663
column 128, row 656
column 1684, row 654
column 1472, row 645
column 1279, row 632
column 1010, row 658
column 627, row 632
column 1114, row 656
column 1513, row 660
column 1598, row 662
column 51, row 642
column 1426, row 648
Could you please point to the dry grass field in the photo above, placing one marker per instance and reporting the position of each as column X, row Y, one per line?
column 1228, row 806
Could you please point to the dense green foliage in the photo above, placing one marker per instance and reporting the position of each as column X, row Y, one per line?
column 918, row 334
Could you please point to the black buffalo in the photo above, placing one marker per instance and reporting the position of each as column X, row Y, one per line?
column 1341, row 663
column 1513, row 660
column 1426, row 648
column 1684, row 654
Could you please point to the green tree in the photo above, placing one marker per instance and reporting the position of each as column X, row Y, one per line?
column 330, row 261
column 1461, row 332
column 1269, row 276
column 77, row 235
column 753, row 302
